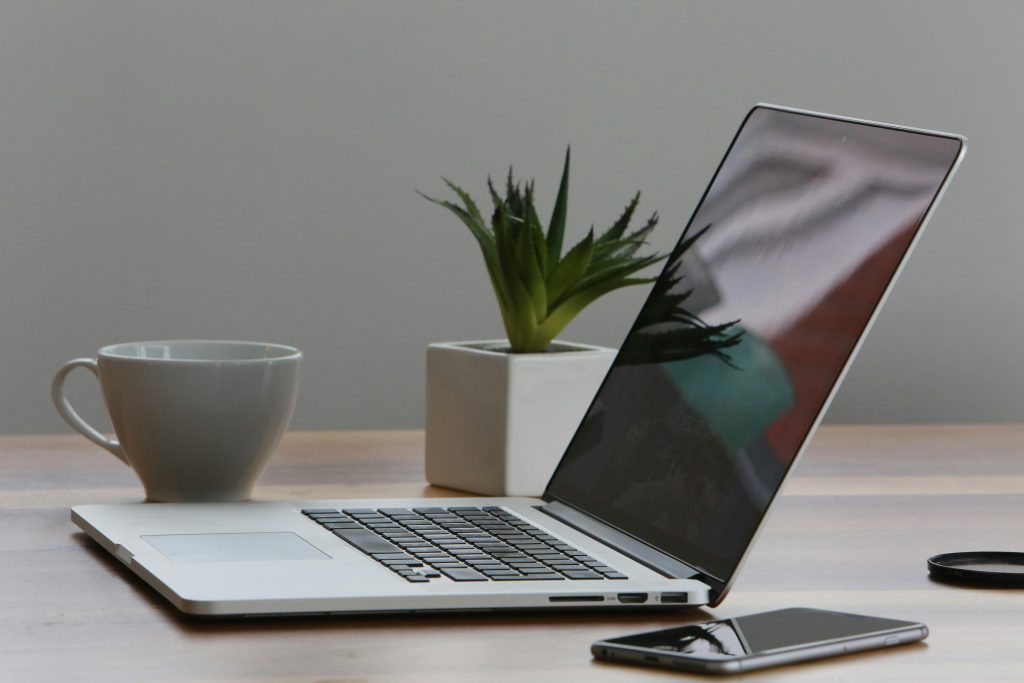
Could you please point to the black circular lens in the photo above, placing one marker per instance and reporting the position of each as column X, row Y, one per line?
column 980, row 568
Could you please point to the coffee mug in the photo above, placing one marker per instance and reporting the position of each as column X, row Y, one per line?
column 196, row 420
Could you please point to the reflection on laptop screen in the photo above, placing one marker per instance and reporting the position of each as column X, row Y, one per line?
column 747, row 330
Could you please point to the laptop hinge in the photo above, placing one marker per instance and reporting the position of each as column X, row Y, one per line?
column 625, row 544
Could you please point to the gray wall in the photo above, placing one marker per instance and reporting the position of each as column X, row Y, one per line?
column 246, row 170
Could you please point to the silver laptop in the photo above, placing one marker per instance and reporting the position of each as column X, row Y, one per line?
column 660, row 494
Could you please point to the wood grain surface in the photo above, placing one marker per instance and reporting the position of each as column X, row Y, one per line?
column 852, row 532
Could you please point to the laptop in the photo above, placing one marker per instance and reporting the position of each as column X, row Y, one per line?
column 714, row 394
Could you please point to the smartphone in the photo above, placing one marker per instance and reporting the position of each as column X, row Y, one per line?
column 758, row 641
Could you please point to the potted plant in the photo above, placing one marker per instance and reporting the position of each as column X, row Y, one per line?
column 500, row 413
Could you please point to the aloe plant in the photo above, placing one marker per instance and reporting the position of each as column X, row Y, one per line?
column 540, row 290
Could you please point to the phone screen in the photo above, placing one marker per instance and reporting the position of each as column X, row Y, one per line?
column 759, row 633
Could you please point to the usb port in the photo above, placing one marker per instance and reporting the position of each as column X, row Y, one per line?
column 632, row 598
column 673, row 598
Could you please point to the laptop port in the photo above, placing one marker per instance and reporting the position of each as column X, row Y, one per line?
column 674, row 598
column 576, row 598
column 632, row 598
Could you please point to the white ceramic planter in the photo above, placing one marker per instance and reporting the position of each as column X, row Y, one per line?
column 498, row 423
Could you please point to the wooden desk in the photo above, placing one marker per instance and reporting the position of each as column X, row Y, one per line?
column 866, row 508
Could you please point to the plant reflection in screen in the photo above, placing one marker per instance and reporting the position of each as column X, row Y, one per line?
column 667, row 331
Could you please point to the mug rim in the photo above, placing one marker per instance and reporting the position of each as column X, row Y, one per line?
column 287, row 353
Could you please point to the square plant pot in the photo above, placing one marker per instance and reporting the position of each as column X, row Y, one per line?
column 497, row 422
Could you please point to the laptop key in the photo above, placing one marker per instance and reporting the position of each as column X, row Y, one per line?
column 320, row 511
column 405, row 542
column 367, row 541
column 615, row 575
column 381, row 557
column 563, row 569
column 401, row 563
column 464, row 574
column 579, row 576
column 325, row 522
column 416, row 578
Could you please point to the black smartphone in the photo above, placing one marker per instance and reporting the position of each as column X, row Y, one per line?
column 758, row 641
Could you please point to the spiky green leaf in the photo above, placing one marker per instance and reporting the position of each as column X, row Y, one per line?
column 564, row 314
column 619, row 227
column 486, row 241
column 556, row 228
column 495, row 197
column 608, row 273
column 638, row 238
column 570, row 269
column 521, row 314
column 467, row 201
column 530, row 275
column 536, row 233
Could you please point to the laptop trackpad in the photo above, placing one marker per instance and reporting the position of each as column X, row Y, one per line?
column 245, row 547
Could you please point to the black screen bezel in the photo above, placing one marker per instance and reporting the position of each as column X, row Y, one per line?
column 720, row 585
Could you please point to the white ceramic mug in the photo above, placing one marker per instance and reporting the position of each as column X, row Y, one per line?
column 196, row 420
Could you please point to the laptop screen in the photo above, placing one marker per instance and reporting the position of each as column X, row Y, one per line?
column 748, row 329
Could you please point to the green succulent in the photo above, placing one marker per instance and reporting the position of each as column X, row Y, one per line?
column 539, row 290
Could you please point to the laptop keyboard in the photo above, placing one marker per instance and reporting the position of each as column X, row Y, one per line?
column 461, row 543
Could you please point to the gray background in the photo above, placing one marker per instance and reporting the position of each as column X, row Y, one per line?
column 246, row 170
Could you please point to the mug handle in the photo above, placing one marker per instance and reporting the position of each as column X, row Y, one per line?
column 72, row 417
